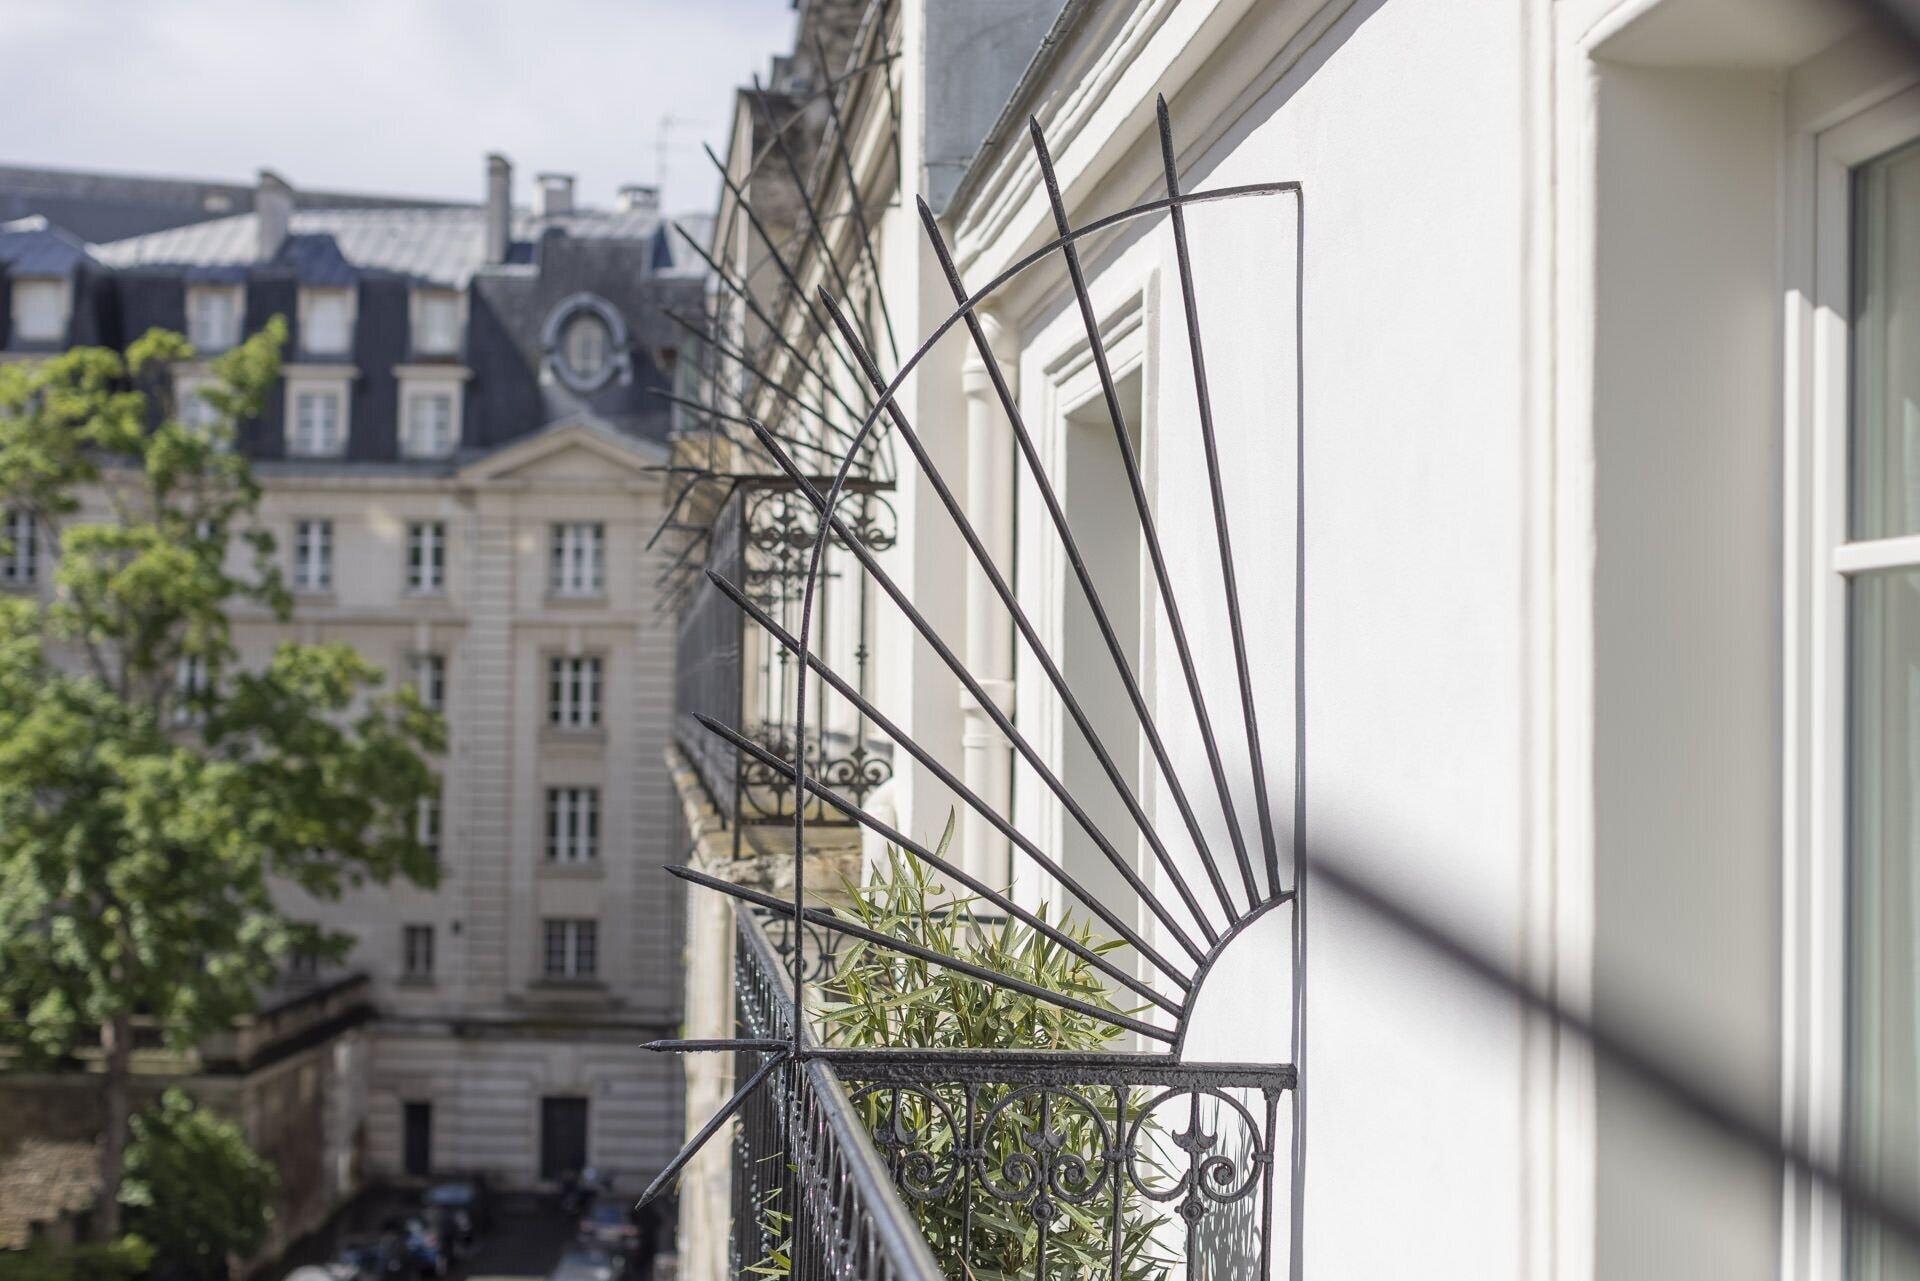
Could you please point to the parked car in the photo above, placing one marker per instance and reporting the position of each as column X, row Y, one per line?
column 460, row 1211
column 589, row 1264
column 381, row 1258
column 608, row 1224
column 414, row 1240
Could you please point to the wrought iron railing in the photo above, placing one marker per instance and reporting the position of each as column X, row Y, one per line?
column 760, row 539
column 708, row 670
column 1036, row 1164
column 811, row 1194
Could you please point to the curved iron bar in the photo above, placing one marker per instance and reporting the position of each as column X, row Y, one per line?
column 886, row 399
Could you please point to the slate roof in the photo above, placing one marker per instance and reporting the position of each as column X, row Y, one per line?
column 35, row 247
column 444, row 246
column 100, row 207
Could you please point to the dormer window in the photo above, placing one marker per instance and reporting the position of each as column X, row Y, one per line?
column 213, row 317
column 41, row 309
column 584, row 347
column 326, row 322
column 430, row 400
column 586, row 344
column 436, row 322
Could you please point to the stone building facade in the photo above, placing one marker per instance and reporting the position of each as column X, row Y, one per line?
column 461, row 473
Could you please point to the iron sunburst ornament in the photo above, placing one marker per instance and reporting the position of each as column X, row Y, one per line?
column 1236, row 873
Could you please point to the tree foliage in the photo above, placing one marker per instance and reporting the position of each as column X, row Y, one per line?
column 194, row 1189
column 124, row 1259
column 144, row 818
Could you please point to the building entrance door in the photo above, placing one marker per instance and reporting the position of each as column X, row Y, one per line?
column 563, row 1136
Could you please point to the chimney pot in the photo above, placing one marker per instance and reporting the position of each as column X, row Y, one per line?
column 499, row 207
column 639, row 197
column 553, row 195
column 272, row 213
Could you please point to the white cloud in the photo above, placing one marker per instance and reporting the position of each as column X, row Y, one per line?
column 400, row 96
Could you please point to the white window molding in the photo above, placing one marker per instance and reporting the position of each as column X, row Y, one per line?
column 42, row 309
column 432, row 403
column 574, row 687
column 571, row 948
column 319, row 410
column 426, row 558
column 427, row 673
column 327, row 317
column 573, row 825
column 577, row 560
column 437, row 322
column 19, row 549
column 312, row 556
column 1824, row 561
column 214, row 314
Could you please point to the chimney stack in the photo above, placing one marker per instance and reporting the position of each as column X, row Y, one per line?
column 637, row 197
column 272, row 213
column 499, row 207
column 553, row 195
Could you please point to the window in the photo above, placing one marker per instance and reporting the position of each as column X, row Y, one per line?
column 416, row 952
column 426, row 557
column 428, row 675
column 436, row 322
column 573, row 824
column 40, row 310
column 319, row 425
column 573, row 693
column 303, row 966
column 18, row 560
column 1882, row 560
column 191, row 681
column 428, row 431
column 326, row 322
column 584, row 347
column 213, row 317
column 193, row 408
column 426, row 826
column 312, row 555
column 570, row 949
column 579, row 560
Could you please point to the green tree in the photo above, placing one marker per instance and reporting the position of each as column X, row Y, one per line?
column 143, row 816
column 194, row 1190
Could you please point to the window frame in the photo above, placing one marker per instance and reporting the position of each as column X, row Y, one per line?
column 1821, row 558
column 426, row 558
column 576, row 692
column 298, row 546
column 427, row 674
column 20, row 560
column 412, row 970
column 229, row 338
column 333, row 384
column 575, row 842
column 310, row 300
column 422, row 303
column 567, row 552
column 577, row 936
column 62, row 287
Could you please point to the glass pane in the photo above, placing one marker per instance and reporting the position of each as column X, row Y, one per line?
column 1886, row 355
column 1884, row 929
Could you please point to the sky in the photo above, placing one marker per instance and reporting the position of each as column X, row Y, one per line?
column 400, row 97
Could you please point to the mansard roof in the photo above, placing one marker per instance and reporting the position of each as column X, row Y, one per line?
column 35, row 247
column 442, row 246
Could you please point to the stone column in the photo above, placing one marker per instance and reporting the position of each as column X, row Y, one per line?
column 985, row 753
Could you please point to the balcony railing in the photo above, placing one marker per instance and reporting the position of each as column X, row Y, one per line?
column 958, row 1163
column 809, row 1187
column 760, row 541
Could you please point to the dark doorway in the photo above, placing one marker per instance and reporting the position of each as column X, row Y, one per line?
column 563, row 1136
column 418, row 1118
